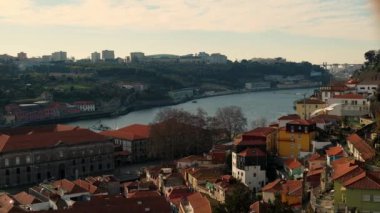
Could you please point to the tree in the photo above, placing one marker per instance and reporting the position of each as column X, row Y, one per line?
column 238, row 201
column 370, row 56
column 259, row 122
column 231, row 119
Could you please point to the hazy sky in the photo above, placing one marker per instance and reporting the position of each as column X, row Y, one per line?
column 299, row 30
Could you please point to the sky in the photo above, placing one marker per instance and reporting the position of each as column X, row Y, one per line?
column 332, row 31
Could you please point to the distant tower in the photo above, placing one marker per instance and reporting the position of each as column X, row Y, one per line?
column 59, row 56
column 95, row 57
column 108, row 55
column 22, row 56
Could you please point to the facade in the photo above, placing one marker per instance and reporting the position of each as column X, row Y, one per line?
column 328, row 92
column 350, row 105
column 367, row 87
column 249, row 167
column 261, row 137
column 137, row 57
column 305, row 108
column 33, row 154
column 22, row 56
column 132, row 143
column 95, row 57
column 108, row 55
column 59, row 56
column 296, row 137
column 293, row 168
column 289, row 191
column 360, row 149
column 217, row 58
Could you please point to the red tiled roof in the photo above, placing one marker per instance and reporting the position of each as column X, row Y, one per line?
column 86, row 185
column 345, row 172
column 259, row 207
column 48, row 139
column 119, row 204
column 199, row 203
column 24, row 198
column 132, row 132
column 343, row 161
column 273, row 186
column 302, row 122
column 289, row 117
column 6, row 203
column 365, row 150
column 191, row 158
column 260, row 131
column 140, row 194
column 252, row 152
column 68, row 187
column 336, row 150
column 316, row 157
column 292, row 187
column 254, row 142
column 363, row 181
column 292, row 163
column 349, row 96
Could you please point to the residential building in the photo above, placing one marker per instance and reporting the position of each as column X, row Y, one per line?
column 259, row 207
column 330, row 91
column 356, row 189
column 333, row 154
column 95, row 57
column 223, row 187
column 132, row 143
column 137, row 57
column 6, row 202
column 261, row 137
column 305, row 107
column 316, row 161
column 28, row 202
column 198, row 178
column 217, row 58
column 249, row 166
column 33, row 154
column 360, row 149
column 295, row 138
column 313, row 178
column 195, row 203
column 283, row 120
column 108, row 55
column 192, row 161
column 58, row 56
column 367, row 87
column 290, row 192
column 22, row 56
column 293, row 168
column 350, row 105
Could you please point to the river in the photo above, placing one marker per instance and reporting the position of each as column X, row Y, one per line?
column 267, row 104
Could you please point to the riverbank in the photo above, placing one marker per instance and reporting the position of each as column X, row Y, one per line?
column 125, row 110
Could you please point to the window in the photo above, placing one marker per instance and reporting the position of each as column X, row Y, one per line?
column 83, row 169
column 254, row 174
column 91, row 168
column 28, row 169
column 376, row 198
column 38, row 176
column 18, row 171
column 74, row 162
column 6, row 162
column 60, row 154
column 7, row 172
column 366, row 198
column 28, row 159
column 17, row 160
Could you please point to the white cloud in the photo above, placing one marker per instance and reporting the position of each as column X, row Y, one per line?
column 332, row 18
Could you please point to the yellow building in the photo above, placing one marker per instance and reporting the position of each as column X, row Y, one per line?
column 296, row 137
column 308, row 106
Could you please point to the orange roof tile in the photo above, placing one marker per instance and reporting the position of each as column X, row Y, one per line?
column 345, row 161
column 42, row 140
column 292, row 187
column 302, row 122
column 289, row 117
column 260, row 131
column 292, row 163
column 314, row 172
column 365, row 150
column 273, row 186
column 191, row 158
column 24, row 198
column 336, row 150
column 349, row 96
column 316, row 157
column 363, row 181
column 132, row 132
column 85, row 185
column 6, row 203
column 199, row 203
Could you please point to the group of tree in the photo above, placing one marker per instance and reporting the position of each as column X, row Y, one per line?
column 176, row 133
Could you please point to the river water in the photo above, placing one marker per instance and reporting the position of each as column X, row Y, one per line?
column 267, row 104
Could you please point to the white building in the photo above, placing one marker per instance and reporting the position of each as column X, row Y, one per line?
column 249, row 167
column 95, row 57
column 217, row 58
column 351, row 105
column 85, row 106
column 108, row 55
column 367, row 87
column 333, row 90
column 137, row 57
column 59, row 56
